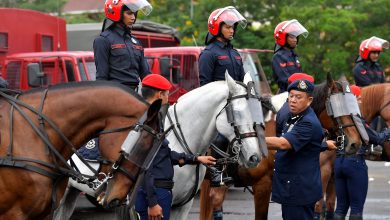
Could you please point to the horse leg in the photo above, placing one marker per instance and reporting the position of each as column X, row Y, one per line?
column 262, row 192
column 67, row 204
column 205, row 209
column 330, row 198
column 217, row 196
column 180, row 213
column 326, row 171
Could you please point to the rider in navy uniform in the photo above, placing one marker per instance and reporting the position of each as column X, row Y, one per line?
column 296, row 183
column 285, row 61
column 154, row 197
column 218, row 57
column 119, row 56
column 219, row 54
column 367, row 70
column 351, row 175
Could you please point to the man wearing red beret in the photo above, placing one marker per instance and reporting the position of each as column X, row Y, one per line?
column 154, row 196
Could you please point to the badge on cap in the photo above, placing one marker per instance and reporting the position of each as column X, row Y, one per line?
column 134, row 41
column 302, row 85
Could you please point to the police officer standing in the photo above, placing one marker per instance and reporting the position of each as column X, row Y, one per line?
column 285, row 61
column 296, row 183
column 351, row 174
column 154, row 197
column 367, row 70
column 218, row 57
column 119, row 56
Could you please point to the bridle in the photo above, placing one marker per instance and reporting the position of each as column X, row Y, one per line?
column 344, row 104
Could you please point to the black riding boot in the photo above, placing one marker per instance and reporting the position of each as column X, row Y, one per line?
column 356, row 217
column 338, row 216
column 216, row 177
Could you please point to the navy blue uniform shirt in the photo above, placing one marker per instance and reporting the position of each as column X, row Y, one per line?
column 119, row 57
column 297, row 178
column 281, row 119
column 284, row 64
column 366, row 73
column 215, row 59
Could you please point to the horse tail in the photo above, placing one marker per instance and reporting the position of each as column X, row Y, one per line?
column 206, row 207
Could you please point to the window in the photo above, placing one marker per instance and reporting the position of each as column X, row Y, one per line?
column 13, row 74
column 90, row 64
column 47, row 43
column 3, row 41
column 69, row 70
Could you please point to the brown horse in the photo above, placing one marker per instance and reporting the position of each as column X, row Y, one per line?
column 33, row 155
column 260, row 178
column 374, row 101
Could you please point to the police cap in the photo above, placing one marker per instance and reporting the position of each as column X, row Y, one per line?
column 301, row 85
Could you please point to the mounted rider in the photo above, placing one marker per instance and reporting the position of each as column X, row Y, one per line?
column 368, row 71
column 285, row 61
column 154, row 197
column 218, row 57
column 119, row 56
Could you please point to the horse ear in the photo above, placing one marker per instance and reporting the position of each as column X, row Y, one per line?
column 247, row 78
column 329, row 80
column 230, row 82
column 153, row 110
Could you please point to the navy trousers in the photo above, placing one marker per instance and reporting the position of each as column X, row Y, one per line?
column 351, row 177
column 303, row 212
column 164, row 199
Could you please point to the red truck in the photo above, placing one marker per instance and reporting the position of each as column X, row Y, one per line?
column 28, row 36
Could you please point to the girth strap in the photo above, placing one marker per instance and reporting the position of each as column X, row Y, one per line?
column 19, row 164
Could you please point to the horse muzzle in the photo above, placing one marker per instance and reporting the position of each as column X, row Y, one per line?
column 253, row 161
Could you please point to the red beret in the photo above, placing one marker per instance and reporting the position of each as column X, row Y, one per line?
column 355, row 90
column 156, row 81
column 301, row 76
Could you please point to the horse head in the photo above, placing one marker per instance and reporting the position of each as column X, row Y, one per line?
column 338, row 110
column 241, row 121
column 137, row 152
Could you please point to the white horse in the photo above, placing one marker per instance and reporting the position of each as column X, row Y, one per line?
column 201, row 114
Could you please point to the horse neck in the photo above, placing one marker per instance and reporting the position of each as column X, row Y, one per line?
column 196, row 114
column 372, row 98
column 81, row 112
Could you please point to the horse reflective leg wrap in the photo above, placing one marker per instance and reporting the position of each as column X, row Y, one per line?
column 338, row 216
column 216, row 177
column 356, row 217
column 218, row 214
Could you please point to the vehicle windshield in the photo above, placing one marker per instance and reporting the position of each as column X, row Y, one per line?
column 90, row 64
column 252, row 64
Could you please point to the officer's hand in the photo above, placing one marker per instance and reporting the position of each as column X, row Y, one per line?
column 208, row 160
column 155, row 212
column 331, row 145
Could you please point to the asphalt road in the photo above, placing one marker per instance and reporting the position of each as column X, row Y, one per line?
column 239, row 204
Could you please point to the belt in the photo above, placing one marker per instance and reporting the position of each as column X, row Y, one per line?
column 165, row 184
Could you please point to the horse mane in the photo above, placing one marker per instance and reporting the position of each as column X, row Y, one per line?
column 86, row 84
column 320, row 94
